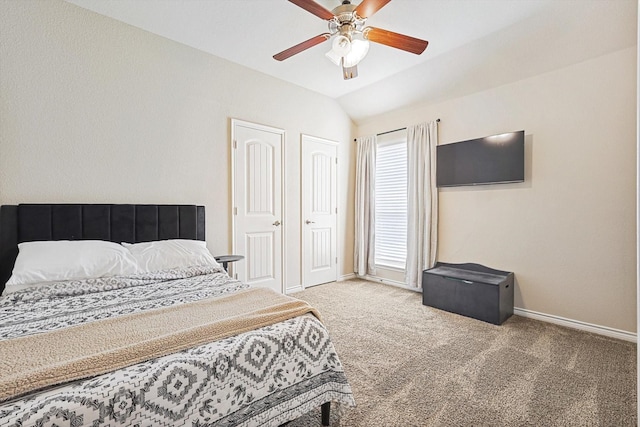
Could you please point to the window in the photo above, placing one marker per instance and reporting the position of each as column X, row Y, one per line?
column 391, row 201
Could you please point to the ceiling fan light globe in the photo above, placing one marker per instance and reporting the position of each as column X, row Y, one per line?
column 341, row 45
column 333, row 57
column 359, row 49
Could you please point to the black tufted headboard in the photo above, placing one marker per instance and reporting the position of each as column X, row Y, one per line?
column 115, row 223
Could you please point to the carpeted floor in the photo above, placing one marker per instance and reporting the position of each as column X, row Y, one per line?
column 412, row 365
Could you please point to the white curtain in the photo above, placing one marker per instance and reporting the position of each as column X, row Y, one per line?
column 364, row 256
column 422, row 203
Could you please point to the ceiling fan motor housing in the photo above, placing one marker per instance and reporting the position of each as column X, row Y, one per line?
column 344, row 12
column 345, row 22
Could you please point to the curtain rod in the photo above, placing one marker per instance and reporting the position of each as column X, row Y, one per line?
column 395, row 130
column 390, row 131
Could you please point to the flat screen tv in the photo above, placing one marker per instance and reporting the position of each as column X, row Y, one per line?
column 495, row 159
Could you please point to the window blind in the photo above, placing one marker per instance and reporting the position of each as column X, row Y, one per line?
column 391, row 205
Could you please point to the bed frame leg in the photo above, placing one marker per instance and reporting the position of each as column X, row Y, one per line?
column 326, row 413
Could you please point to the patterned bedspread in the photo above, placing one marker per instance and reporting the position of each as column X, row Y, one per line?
column 263, row 377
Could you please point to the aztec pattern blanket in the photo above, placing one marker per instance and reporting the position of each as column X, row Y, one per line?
column 263, row 377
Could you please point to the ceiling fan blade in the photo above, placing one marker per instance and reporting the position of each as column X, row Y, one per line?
column 399, row 41
column 313, row 7
column 301, row 46
column 369, row 7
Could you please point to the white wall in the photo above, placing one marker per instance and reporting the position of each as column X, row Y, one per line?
column 568, row 232
column 638, row 208
column 94, row 110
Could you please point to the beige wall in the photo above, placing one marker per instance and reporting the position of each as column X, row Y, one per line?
column 568, row 232
column 94, row 110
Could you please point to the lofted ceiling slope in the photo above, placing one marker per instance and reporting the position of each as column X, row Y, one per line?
column 473, row 45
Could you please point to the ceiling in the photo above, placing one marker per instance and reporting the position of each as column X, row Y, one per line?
column 473, row 44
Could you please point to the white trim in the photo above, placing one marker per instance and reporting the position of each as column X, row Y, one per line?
column 294, row 289
column 576, row 324
column 391, row 282
column 320, row 140
column 402, row 270
column 638, row 204
column 310, row 138
column 283, row 135
column 346, row 277
column 391, row 158
column 232, row 183
column 549, row 318
column 283, row 201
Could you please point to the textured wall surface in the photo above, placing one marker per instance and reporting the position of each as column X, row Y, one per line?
column 568, row 231
column 93, row 110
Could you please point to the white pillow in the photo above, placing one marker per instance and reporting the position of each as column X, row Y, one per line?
column 49, row 261
column 166, row 254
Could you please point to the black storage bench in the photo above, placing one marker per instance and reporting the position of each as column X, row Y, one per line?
column 471, row 290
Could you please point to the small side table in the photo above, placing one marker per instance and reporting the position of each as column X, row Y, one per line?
column 226, row 259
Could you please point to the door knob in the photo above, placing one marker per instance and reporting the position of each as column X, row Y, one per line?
column 309, row 222
column 277, row 223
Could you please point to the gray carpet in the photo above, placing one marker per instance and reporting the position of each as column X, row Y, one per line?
column 412, row 365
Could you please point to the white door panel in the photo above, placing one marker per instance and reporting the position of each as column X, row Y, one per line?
column 321, row 248
column 257, row 182
column 319, row 186
column 260, row 249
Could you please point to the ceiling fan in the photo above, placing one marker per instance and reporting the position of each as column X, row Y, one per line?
column 350, row 36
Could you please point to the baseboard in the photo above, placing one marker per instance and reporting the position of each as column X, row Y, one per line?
column 576, row 324
column 294, row 289
column 390, row 282
column 549, row 318
column 301, row 288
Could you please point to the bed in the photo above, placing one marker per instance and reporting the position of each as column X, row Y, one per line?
column 187, row 345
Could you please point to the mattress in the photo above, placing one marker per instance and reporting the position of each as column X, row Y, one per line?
column 263, row 377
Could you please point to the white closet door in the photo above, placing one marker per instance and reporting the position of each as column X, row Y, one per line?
column 257, row 210
column 319, row 213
